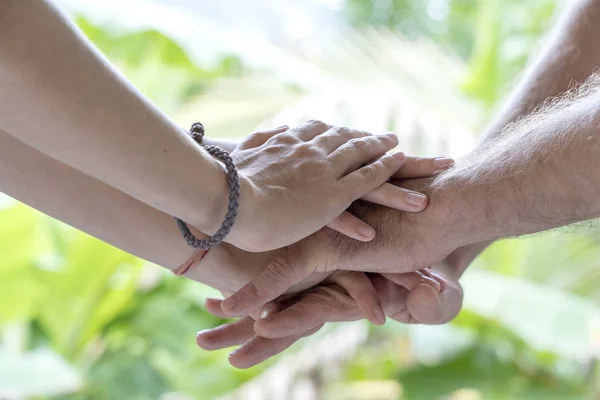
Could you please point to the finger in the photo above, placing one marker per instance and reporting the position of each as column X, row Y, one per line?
column 226, row 335
column 393, row 298
column 351, row 226
column 308, row 130
column 398, row 198
column 437, row 277
column 213, row 306
column 279, row 275
column 411, row 280
column 430, row 307
column 360, row 151
column 257, row 139
column 370, row 177
column 362, row 291
column 423, row 167
column 259, row 349
column 337, row 136
column 317, row 306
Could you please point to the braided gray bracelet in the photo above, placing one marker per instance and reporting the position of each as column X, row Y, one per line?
column 233, row 180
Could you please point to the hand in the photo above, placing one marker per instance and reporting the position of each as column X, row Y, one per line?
column 286, row 174
column 429, row 298
column 405, row 242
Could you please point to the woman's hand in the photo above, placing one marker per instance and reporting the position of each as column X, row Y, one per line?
column 295, row 181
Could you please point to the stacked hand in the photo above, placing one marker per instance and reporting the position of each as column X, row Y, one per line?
column 406, row 298
column 294, row 290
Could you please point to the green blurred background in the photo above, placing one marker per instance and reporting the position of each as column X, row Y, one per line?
column 82, row 320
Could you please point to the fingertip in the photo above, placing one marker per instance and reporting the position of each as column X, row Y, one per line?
column 238, row 361
column 365, row 233
column 378, row 315
column 443, row 163
column 204, row 340
column 353, row 227
column 393, row 137
column 264, row 328
column 424, row 304
column 417, row 201
column 229, row 306
column 275, row 328
column 399, row 157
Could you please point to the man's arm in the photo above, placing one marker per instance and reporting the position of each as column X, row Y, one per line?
column 536, row 175
column 569, row 57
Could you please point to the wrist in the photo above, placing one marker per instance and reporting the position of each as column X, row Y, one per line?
column 465, row 215
column 210, row 213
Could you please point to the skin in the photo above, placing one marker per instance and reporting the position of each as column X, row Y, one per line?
column 536, row 175
column 77, row 109
column 119, row 219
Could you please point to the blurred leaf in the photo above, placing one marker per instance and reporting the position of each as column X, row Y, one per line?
column 21, row 241
column 485, row 79
column 545, row 318
column 483, row 370
column 93, row 285
column 37, row 373
column 148, row 57
column 123, row 375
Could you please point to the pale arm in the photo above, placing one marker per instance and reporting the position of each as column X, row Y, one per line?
column 106, row 213
column 61, row 97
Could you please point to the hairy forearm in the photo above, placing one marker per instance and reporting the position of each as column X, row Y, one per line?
column 60, row 96
column 569, row 57
column 544, row 172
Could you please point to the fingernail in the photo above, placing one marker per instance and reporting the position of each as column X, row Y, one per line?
column 228, row 305
column 392, row 135
column 282, row 126
column 443, row 162
column 266, row 312
column 416, row 199
column 434, row 284
column 238, row 351
column 400, row 156
column 442, row 281
column 379, row 315
column 366, row 231
column 202, row 332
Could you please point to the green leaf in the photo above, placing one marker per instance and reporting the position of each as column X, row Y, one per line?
column 481, row 369
column 125, row 375
column 21, row 242
column 545, row 318
column 92, row 287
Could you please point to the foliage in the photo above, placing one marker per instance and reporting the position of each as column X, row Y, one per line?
column 497, row 36
column 101, row 324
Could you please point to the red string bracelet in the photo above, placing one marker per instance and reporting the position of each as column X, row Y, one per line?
column 194, row 259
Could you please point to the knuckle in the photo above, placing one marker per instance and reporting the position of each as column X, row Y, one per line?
column 252, row 291
column 256, row 136
column 274, row 149
column 358, row 144
column 305, row 150
column 279, row 270
column 286, row 139
column 389, row 162
column 342, row 131
column 369, row 173
column 317, row 124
